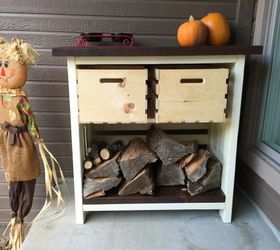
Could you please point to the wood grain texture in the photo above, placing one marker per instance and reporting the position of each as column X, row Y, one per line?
column 51, row 23
column 158, row 51
column 162, row 195
column 135, row 8
column 122, row 101
column 190, row 102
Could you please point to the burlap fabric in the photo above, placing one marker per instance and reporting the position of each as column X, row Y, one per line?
column 19, row 160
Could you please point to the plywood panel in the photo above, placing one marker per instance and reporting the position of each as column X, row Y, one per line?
column 121, row 95
column 192, row 85
column 191, row 95
column 191, row 112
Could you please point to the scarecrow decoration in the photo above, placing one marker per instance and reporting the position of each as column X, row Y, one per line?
column 18, row 136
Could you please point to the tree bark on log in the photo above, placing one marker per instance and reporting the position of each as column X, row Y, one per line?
column 211, row 180
column 93, row 185
column 197, row 167
column 170, row 175
column 142, row 183
column 109, row 168
column 168, row 149
column 135, row 157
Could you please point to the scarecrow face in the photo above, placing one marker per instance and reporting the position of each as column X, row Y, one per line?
column 13, row 74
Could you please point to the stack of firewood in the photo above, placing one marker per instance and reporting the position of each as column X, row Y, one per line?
column 139, row 166
column 102, row 168
column 183, row 163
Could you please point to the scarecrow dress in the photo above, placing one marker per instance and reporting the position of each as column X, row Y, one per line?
column 18, row 155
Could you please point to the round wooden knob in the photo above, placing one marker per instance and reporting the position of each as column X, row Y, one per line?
column 129, row 107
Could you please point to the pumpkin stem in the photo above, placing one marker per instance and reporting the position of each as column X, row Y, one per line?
column 191, row 18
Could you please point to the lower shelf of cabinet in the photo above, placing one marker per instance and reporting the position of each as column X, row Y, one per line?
column 162, row 195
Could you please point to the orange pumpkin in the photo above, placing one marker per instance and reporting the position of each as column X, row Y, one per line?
column 218, row 29
column 192, row 33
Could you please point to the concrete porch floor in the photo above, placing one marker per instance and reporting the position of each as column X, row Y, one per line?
column 155, row 230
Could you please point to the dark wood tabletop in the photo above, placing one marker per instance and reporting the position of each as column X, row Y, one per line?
column 158, row 51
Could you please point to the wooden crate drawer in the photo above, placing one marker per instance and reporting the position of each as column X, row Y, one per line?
column 112, row 95
column 191, row 95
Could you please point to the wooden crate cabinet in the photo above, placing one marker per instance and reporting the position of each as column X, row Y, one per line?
column 221, row 136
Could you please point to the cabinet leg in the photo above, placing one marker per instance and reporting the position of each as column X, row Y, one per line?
column 226, row 215
column 80, row 217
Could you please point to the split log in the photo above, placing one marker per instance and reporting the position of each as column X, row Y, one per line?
column 135, row 157
column 197, row 167
column 109, row 151
column 103, row 147
column 109, row 168
column 183, row 162
column 142, row 183
column 88, row 163
column 192, row 144
column 93, row 152
column 211, row 180
column 92, row 185
column 170, row 175
column 99, row 193
column 168, row 149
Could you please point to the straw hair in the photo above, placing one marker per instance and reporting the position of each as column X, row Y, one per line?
column 16, row 233
column 18, row 50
